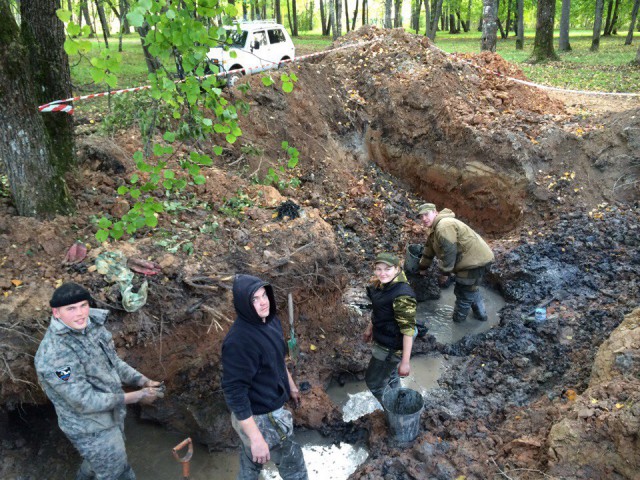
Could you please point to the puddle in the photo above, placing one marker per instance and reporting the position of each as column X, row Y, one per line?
column 149, row 448
column 438, row 313
column 356, row 400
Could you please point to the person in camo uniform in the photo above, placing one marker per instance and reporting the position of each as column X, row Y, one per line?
column 256, row 383
column 392, row 327
column 82, row 375
column 460, row 251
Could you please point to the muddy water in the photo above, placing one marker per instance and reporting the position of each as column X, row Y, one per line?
column 149, row 449
column 355, row 399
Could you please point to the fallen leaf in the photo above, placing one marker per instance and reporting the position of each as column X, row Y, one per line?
column 312, row 347
column 17, row 283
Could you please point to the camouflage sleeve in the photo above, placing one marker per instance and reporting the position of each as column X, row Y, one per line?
column 447, row 238
column 129, row 375
column 427, row 255
column 66, row 376
column 404, row 309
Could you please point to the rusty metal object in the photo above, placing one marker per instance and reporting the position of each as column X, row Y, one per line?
column 186, row 459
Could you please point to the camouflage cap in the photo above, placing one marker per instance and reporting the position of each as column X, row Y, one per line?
column 426, row 208
column 388, row 258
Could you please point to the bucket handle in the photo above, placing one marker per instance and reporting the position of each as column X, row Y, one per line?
column 408, row 377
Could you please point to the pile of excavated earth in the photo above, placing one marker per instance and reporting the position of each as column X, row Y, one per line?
column 380, row 127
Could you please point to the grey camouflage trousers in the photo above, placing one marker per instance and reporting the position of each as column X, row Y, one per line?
column 277, row 429
column 104, row 456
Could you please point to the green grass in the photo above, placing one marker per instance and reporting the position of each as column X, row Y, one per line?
column 608, row 70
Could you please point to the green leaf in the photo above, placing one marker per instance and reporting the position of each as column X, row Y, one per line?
column 285, row 145
column 217, row 150
column 73, row 29
column 137, row 156
column 158, row 149
column 122, row 190
column 111, row 80
column 231, row 138
column 205, row 160
column 287, row 87
column 102, row 235
column 104, row 223
column 135, row 193
column 135, row 19
column 267, row 81
column 151, row 221
column 293, row 77
column 63, row 15
column 207, row 121
column 219, row 128
column 168, row 184
column 70, row 46
column 97, row 75
column 169, row 137
column 199, row 179
column 169, row 174
column 171, row 14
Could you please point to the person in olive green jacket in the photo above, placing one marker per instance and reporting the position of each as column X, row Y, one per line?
column 460, row 251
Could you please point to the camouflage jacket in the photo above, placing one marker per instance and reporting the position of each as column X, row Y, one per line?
column 82, row 375
column 455, row 244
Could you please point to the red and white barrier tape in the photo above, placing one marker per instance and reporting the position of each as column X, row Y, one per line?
column 61, row 105
column 538, row 85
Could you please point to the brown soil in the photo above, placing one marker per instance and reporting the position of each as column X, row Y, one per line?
column 379, row 130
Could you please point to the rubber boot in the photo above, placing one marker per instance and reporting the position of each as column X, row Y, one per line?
column 479, row 312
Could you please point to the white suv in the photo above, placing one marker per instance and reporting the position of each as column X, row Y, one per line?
column 259, row 45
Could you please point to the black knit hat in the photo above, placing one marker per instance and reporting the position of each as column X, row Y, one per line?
column 68, row 294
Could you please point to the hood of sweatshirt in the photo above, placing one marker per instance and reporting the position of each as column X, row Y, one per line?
column 244, row 287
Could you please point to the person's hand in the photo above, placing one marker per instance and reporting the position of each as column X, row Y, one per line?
column 443, row 281
column 404, row 369
column 152, row 383
column 148, row 395
column 295, row 397
column 367, row 335
column 260, row 451
column 422, row 271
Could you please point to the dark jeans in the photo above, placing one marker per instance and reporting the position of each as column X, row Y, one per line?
column 382, row 371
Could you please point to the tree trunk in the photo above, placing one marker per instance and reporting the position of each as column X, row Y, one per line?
column 355, row 16
column 508, row 24
column 278, row 11
column 346, row 15
column 289, row 16
column 520, row 25
column 468, row 17
column 43, row 35
column 365, row 14
column 84, row 11
column 489, row 26
column 124, row 7
column 597, row 26
column 387, row 13
column 37, row 187
column 252, row 10
column 607, row 22
column 427, row 18
column 324, row 23
column 452, row 24
column 103, row 22
column 637, row 60
column 613, row 29
column 153, row 64
column 461, row 22
column 338, row 16
column 634, row 16
column 397, row 19
column 332, row 18
column 70, row 8
column 502, row 34
column 435, row 19
column 295, row 18
column 543, row 43
column 415, row 18
column 564, row 44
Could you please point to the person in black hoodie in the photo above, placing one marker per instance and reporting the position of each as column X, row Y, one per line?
column 256, row 383
column 392, row 327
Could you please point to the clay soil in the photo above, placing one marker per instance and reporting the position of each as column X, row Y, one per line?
column 551, row 182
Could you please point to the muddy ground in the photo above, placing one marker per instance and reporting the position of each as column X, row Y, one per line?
column 380, row 129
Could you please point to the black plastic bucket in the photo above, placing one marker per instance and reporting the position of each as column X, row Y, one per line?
column 412, row 257
column 403, row 407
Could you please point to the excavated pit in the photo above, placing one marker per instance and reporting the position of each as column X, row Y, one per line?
column 379, row 130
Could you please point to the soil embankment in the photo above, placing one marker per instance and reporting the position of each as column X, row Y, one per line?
column 379, row 130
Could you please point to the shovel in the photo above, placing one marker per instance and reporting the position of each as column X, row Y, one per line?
column 292, row 343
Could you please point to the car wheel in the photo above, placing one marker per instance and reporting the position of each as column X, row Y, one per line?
column 232, row 78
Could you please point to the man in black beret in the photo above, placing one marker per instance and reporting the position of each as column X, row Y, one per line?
column 82, row 375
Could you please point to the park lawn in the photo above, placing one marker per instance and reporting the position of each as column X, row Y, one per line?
column 608, row 70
